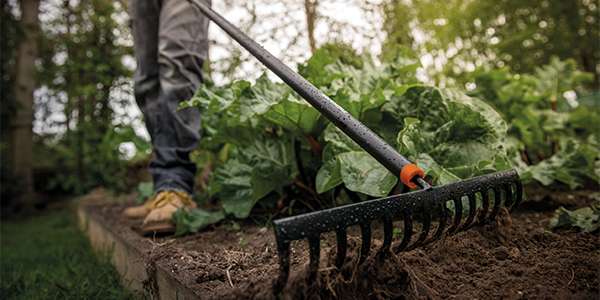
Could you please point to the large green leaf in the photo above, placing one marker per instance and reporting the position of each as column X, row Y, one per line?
column 559, row 76
column 462, row 140
column 273, row 165
column 458, row 138
column 359, row 106
column 194, row 220
column 404, row 62
column 362, row 173
column 222, row 130
column 347, row 162
column 295, row 115
column 267, row 165
column 419, row 102
column 587, row 219
column 313, row 69
column 363, row 81
column 210, row 99
column 232, row 181
column 574, row 164
column 584, row 122
column 259, row 98
column 329, row 175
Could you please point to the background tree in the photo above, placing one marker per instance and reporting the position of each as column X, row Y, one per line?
column 290, row 35
column 8, row 106
column 24, row 85
column 83, row 74
column 461, row 35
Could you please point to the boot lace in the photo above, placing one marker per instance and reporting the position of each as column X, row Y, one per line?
column 165, row 197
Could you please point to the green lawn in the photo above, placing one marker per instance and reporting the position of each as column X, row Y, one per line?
column 45, row 257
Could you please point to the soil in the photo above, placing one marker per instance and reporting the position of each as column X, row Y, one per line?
column 515, row 257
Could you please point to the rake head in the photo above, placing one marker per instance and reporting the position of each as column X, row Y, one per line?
column 493, row 190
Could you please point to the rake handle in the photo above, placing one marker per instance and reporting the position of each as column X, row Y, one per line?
column 389, row 157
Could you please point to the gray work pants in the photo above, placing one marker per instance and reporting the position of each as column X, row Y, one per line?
column 170, row 44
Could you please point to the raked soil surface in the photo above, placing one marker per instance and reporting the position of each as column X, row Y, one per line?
column 515, row 257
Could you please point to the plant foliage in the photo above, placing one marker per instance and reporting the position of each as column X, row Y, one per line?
column 587, row 219
column 548, row 139
column 274, row 145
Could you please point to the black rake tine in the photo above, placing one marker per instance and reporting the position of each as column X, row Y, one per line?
column 388, row 229
column 425, row 229
column 518, row 196
column 458, row 210
column 283, row 250
column 313, row 243
column 472, row 207
column 365, row 229
column 342, row 245
column 497, row 203
column 509, row 195
column 440, row 229
column 472, row 211
column 407, row 232
column 485, row 196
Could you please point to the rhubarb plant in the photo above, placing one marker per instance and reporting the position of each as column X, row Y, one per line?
column 548, row 140
column 274, row 147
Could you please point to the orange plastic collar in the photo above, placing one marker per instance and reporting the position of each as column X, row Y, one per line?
column 408, row 173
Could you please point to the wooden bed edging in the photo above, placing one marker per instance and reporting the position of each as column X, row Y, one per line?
column 134, row 267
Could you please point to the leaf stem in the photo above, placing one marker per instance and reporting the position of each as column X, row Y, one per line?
column 302, row 176
column 352, row 194
column 524, row 157
column 315, row 145
column 309, row 189
column 272, row 132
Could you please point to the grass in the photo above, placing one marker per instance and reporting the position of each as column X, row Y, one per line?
column 45, row 257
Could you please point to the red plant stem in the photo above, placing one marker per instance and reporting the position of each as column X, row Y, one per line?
column 308, row 188
column 524, row 157
column 315, row 145
column 302, row 177
column 540, row 155
column 272, row 132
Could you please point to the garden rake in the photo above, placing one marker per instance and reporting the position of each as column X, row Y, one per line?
column 429, row 200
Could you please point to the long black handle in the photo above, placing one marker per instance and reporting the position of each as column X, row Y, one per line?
column 357, row 131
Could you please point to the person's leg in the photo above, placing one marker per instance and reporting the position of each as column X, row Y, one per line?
column 144, row 16
column 182, row 48
column 170, row 46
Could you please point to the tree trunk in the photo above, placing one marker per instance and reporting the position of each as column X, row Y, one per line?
column 310, row 22
column 80, row 137
column 21, row 124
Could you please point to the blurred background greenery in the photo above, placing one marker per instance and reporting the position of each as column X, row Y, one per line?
column 72, row 125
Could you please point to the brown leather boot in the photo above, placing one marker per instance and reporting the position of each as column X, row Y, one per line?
column 160, row 216
column 138, row 212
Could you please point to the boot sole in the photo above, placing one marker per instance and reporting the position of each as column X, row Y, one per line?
column 165, row 227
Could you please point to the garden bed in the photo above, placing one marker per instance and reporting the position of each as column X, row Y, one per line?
column 517, row 256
